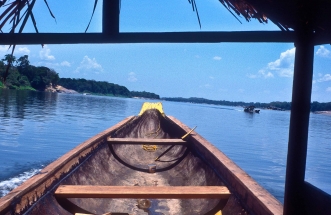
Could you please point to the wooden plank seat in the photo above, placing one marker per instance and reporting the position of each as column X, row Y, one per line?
column 141, row 141
column 151, row 192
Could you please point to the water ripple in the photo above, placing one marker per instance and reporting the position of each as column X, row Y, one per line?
column 37, row 128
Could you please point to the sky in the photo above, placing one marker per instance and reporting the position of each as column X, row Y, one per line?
column 249, row 72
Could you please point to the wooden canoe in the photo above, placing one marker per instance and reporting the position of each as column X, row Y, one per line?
column 142, row 166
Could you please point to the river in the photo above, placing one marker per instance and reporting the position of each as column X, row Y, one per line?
column 36, row 128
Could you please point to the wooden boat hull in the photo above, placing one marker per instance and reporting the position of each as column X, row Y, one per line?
column 98, row 162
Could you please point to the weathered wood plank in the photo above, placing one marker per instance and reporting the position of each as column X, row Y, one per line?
column 161, row 192
column 146, row 141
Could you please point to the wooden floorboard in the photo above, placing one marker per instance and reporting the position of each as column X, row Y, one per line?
column 152, row 192
column 146, row 141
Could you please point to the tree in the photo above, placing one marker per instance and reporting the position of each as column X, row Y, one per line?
column 23, row 62
column 9, row 59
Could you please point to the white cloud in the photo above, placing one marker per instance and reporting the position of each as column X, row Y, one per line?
column 262, row 73
column 22, row 50
column 207, row 86
column 217, row 58
column 65, row 63
column 252, row 76
column 132, row 77
column 326, row 77
column 45, row 54
column 284, row 66
column 4, row 48
column 265, row 74
column 19, row 50
column 328, row 89
column 89, row 65
column 323, row 52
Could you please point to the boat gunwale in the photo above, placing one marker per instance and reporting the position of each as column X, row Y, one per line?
column 23, row 196
column 257, row 199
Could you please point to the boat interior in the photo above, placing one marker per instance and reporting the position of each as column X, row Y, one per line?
column 142, row 167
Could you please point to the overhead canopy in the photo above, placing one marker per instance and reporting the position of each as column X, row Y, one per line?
column 289, row 15
column 286, row 14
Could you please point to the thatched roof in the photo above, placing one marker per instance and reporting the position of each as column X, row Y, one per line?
column 288, row 15
column 314, row 15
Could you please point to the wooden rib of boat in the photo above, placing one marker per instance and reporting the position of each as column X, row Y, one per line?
column 142, row 166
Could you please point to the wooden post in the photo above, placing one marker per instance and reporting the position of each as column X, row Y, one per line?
column 299, row 123
column 110, row 17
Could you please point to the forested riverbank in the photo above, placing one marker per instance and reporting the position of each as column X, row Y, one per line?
column 281, row 106
column 19, row 74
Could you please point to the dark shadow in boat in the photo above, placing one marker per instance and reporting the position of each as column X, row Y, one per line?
column 168, row 161
column 146, row 170
column 71, row 207
column 221, row 204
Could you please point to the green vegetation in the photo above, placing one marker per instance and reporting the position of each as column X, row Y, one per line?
column 315, row 106
column 96, row 87
column 21, row 75
column 145, row 95
column 271, row 105
column 18, row 74
column 102, row 88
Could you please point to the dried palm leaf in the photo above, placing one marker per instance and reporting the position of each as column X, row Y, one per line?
column 194, row 7
column 13, row 15
column 95, row 5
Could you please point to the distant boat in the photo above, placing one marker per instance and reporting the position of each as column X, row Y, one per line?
column 85, row 94
column 251, row 109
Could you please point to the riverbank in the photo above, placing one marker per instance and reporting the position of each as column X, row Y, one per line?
column 323, row 112
column 59, row 89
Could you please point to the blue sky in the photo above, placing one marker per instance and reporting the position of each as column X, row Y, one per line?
column 258, row 72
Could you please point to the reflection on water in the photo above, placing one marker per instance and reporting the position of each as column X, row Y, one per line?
column 36, row 128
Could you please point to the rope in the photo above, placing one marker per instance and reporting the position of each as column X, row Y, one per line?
column 150, row 148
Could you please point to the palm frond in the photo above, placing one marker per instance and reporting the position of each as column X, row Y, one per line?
column 8, row 66
column 194, row 8
column 49, row 9
column 95, row 5
column 31, row 15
